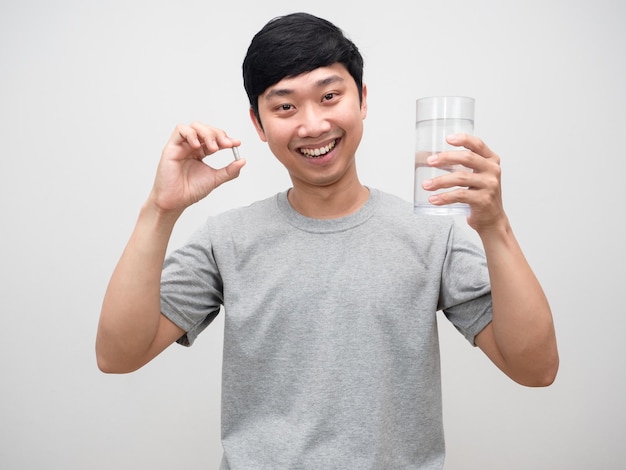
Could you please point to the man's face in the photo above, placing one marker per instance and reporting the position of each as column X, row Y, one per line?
column 313, row 124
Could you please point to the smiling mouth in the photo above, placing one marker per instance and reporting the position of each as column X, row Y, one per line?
column 318, row 152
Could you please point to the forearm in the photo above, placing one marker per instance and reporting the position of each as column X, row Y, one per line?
column 131, row 311
column 523, row 329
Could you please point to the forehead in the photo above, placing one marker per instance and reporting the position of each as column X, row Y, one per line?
column 319, row 78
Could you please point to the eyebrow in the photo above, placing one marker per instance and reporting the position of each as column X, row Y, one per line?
column 289, row 91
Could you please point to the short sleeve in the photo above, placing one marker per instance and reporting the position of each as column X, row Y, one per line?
column 465, row 296
column 191, row 286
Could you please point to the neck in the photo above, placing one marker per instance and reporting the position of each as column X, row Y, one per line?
column 328, row 202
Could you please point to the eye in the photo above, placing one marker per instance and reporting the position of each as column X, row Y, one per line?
column 328, row 96
column 285, row 107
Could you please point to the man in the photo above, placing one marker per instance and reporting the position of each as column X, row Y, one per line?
column 330, row 289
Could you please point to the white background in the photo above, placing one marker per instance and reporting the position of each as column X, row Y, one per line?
column 90, row 92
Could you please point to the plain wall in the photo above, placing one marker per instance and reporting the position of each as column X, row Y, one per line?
column 90, row 92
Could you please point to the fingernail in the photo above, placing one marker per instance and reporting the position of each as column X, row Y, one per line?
column 433, row 158
column 427, row 184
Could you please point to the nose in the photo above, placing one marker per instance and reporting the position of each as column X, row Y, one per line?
column 313, row 122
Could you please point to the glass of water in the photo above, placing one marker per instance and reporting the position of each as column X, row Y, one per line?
column 436, row 118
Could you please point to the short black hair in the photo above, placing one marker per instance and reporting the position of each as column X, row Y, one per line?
column 293, row 44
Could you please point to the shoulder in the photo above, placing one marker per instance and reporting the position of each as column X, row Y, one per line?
column 261, row 218
column 256, row 209
column 394, row 210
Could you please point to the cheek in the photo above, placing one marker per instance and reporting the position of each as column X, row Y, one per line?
column 277, row 135
column 355, row 123
column 354, row 115
column 277, row 142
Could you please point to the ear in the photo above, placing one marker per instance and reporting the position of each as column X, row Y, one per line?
column 364, row 101
column 257, row 125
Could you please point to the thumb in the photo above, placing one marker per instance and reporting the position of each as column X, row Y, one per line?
column 229, row 172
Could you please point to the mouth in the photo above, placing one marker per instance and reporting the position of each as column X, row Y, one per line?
column 317, row 152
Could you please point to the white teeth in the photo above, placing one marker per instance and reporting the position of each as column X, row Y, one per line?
column 319, row 151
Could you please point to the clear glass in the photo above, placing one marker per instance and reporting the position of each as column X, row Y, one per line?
column 436, row 118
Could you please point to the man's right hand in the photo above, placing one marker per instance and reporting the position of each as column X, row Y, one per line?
column 183, row 178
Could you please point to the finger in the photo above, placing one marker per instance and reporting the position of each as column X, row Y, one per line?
column 229, row 172
column 214, row 139
column 206, row 137
column 222, row 144
column 452, row 159
column 473, row 143
column 466, row 158
column 185, row 134
column 461, row 178
column 462, row 195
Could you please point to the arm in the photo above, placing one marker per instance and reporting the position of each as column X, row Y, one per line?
column 521, row 339
column 132, row 330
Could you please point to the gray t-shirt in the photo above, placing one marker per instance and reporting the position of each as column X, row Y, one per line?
column 331, row 352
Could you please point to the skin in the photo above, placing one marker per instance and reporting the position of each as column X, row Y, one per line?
column 132, row 330
column 321, row 110
column 309, row 112
column 521, row 339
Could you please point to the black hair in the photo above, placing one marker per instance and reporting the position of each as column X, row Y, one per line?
column 293, row 44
